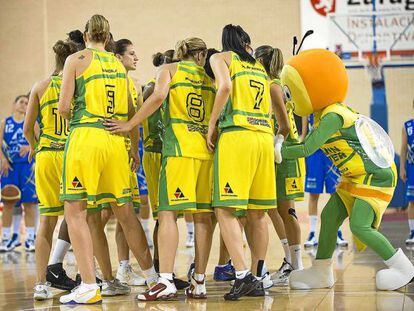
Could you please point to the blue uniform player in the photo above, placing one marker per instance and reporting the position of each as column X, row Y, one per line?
column 320, row 174
column 17, row 177
column 407, row 172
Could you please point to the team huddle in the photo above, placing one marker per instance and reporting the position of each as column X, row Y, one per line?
column 220, row 142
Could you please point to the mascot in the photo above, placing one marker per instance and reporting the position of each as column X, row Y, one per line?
column 315, row 81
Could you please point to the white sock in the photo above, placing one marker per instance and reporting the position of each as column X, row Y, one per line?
column 61, row 248
column 6, row 233
column 90, row 286
column 151, row 276
column 30, row 232
column 190, row 227
column 242, row 274
column 199, row 277
column 411, row 224
column 145, row 223
column 313, row 222
column 222, row 266
column 123, row 264
column 17, row 220
column 167, row 276
column 286, row 249
column 295, row 253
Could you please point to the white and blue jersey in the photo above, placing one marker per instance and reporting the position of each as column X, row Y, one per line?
column 409, row 130
column 320, row 171
column 22, row 172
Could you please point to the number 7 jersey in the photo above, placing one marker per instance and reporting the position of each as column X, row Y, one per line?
column 53, row 128
column 249, row 103
column 187, row 112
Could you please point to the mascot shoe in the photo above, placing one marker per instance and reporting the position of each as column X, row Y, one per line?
column 399, row 273
column 320, row 275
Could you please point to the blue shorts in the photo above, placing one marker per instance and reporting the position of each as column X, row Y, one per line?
column 142, row 181
column 320, row 173
column 409, row 192
column 22, row 176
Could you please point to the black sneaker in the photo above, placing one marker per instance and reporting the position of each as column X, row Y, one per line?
column 57, row 277
column 180, row 284
column 242, row 287
column 258, row 292
column 79, row 281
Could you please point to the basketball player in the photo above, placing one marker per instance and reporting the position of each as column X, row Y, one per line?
column 186, row 170
column 17, row 173
column 97, row 81
column 49, row 147
column 289, row 173
column 244, row 154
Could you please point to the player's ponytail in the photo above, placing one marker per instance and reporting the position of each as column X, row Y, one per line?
column 62, row 50
column 189, row 47
column 271, row 59
column 97, row 29
column 77, row 37
column 235, row 39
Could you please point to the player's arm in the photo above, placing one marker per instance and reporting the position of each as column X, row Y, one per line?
column 305, row 124
column 161, row 89
column 133, row 134
column 148, row 90
column 140, row 99
column 30, row 120
column 67, row 88
column 5, row 165
column 328, row 126
column 279, row 109
column 219, row 64
column 403, row 159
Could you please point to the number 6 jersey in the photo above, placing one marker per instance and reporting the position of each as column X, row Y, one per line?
column 187, row 112
column 249, row 102
column 101, row 91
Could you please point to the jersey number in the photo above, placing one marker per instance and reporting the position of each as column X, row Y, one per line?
column 110, row 95
column 259, row 87
column 61, row 125
column 195, row 107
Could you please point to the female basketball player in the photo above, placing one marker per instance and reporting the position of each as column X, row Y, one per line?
column 186, row 164
column 97, row 81
column 289, row 173
column 49, row 159
column 244, row 157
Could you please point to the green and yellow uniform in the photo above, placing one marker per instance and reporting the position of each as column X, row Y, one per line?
column 49, row 150
column 186, row 169
column 244, row 175
column 290, row 174
column 96, row 164
column 152, row 138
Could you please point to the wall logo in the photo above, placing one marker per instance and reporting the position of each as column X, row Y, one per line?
column 323, row 7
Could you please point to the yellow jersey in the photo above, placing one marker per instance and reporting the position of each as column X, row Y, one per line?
column 101, row 91
column 187, row 112
column 53, row 127
column 249, row 103
column 133, row 92
column 293, row 135
column 153, row 129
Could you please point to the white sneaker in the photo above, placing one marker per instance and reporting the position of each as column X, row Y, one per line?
column 410, row 240
column 42, row 291
column 340, row 241
column 281, row 277
column 128, row 276
column 311, row 241
column 190, row 239
column 197, row 289
column 82, row 295
column 149, row 238
column 29, row 245
column 266, row 280
column 163, row 290
column 115, row 288
column 7, row 245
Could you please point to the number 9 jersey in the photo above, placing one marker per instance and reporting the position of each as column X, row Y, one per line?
column 248, row 107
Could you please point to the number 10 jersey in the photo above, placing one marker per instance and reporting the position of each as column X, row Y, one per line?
column 249, row 103
column 187, row 112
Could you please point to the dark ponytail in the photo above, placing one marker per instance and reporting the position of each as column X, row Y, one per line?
column 159, row 58
column 207, row 66
column 235, row 39
column 76, row 36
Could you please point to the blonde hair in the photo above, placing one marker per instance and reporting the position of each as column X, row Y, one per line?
column 97, row 28
column 271, row 59
column 189, row 47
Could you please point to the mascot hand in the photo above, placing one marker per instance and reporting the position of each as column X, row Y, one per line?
column 279, row 139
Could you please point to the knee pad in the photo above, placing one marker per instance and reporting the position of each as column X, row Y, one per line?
column 292, row 212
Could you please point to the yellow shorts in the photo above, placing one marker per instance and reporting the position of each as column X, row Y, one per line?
column 151, row 162
column 244, row 171
column 290, row 179
column 136, row 201
column 96, row 168
column 185, row 184
column 48, row 175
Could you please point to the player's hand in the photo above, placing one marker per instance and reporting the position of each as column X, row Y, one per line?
column 403, row 174
column 135, row 161
column 211, row 137
column 5, row 168
column 279, row 139
column 117, row 126
column 31, row 154
column 24, row 150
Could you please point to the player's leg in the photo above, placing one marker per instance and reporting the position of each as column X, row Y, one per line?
column 189, row 222
column 410, row 214
column 16, row 222
column 224, row 270
column 313, row 219
column 106, row 214
column 29, row 219
column 409, row 194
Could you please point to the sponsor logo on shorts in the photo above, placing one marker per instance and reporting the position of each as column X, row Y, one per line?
column 127, row 190
column 179, row 196
column 228, row 191
column 76, row 184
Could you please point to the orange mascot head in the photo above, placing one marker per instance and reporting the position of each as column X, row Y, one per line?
column 313, row 80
